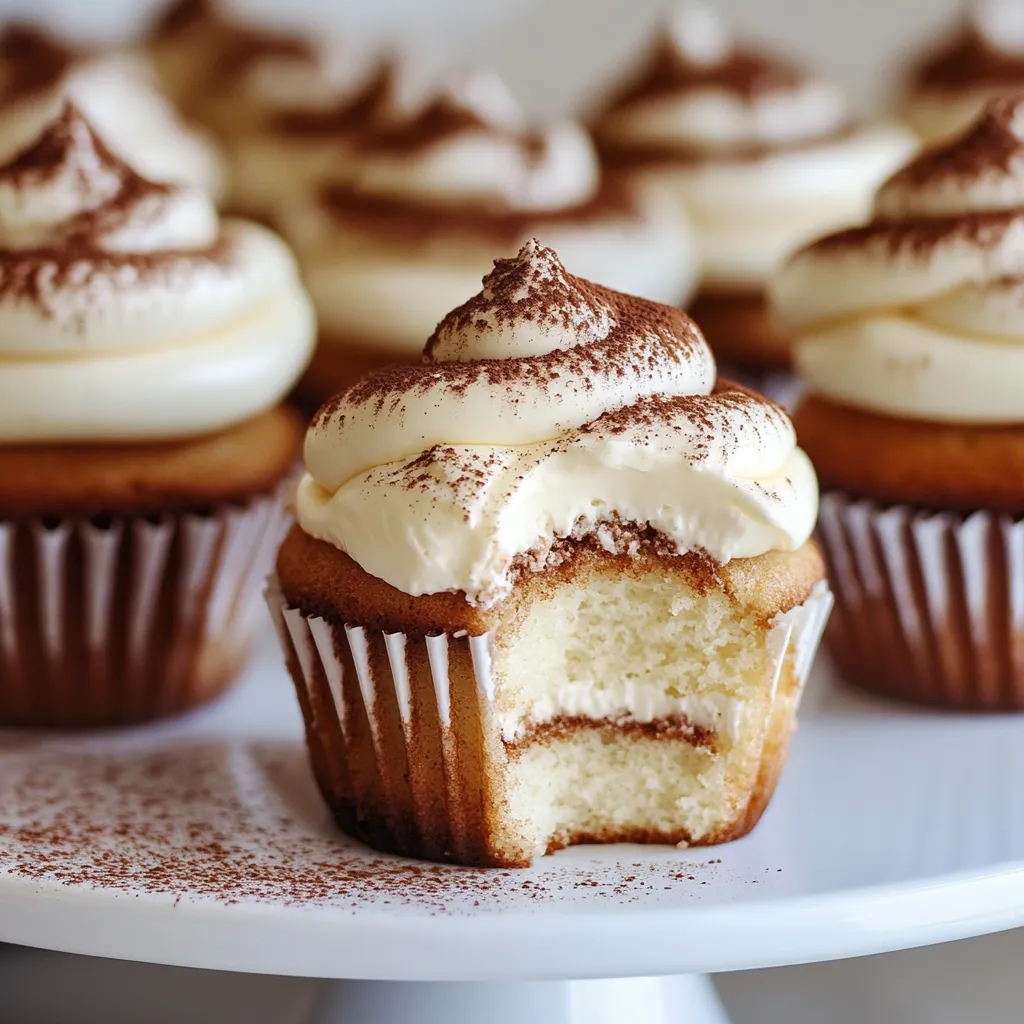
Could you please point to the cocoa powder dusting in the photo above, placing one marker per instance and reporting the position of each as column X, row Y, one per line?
column 968, row 60
column 234, row 822
column 112, row 195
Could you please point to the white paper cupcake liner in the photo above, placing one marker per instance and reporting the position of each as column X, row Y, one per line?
column 781, row 386
column 123, row 620
column 929, row 605
column 419, row 709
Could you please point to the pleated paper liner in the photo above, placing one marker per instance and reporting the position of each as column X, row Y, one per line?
column 781, row 386
column 120, row 621
column 401, row 730
column 929, row 605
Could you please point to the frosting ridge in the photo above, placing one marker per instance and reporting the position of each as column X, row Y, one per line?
column 548, row 407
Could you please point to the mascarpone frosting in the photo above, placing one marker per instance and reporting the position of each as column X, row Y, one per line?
column 118, row 95
column 760, row 154
column 426, row 200
column 982, row 59
column 547, row 407
column 128, row 311
column 920, row 313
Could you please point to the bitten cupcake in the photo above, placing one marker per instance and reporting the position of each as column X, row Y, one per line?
column 425, row 201
column 115, row 90
column 761, row 155
column 552, row 585
column 144, row 348
column 282, row 104
column 982, row 58
column 910, row 336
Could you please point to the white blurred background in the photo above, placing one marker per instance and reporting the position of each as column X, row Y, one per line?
column 555, row 53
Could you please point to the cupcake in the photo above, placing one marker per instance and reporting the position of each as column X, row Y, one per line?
column 552, row 585
column 983, row 58
column 115, row 90
column 423, row 203
column 761, row 155
column 145, row 349
column 282, row 104
column 910, row 337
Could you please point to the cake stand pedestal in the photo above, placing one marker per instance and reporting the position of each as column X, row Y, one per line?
column 203, row 843
column 689, row 999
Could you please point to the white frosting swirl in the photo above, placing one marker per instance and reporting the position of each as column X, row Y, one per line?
column 127, row 311
column 920, row 313
column 548, row 407
column 759, row 154
column 117, row 94
column 466, row 169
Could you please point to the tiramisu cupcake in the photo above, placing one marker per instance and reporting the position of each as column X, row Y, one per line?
column 910, row 336
column 982, row 58
column 144, row 348
column 282, row 104
column 552, row 585
column 115, row 90
column 426, row 201
column 762, row 155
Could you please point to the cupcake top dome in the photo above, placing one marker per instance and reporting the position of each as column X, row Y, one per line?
column 702, row 94
column 548, row 407
column 920, row 312
column 982, row 57
column 115, row 90
column 128, row 310
column 761, row 153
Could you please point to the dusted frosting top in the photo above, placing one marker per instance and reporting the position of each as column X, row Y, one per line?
column 115, row 91
column 920, row 313
column 761, row 153
column 128, row 311
column 427, row 197
column 982, row 58
column 546, row 408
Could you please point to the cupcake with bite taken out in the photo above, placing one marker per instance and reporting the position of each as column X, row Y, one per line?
column 761, row 155
column 425, row 200
column 146, row 346
column 552, row 561
column 910, row 337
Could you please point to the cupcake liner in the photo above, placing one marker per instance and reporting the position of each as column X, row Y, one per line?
column 781, row 386
column 929, row 605
column 401, row 727
column 103, row 623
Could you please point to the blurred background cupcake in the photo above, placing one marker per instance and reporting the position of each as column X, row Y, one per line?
column 414, row 215
column 760, row 154
column 145, row 346
column 981, row 58
column 115, row 89
column 283, row 103
column 910, row 337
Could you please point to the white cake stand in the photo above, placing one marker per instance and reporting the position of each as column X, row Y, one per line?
column 203, row 843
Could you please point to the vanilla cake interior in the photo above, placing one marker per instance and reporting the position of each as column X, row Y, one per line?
column 647, row 698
